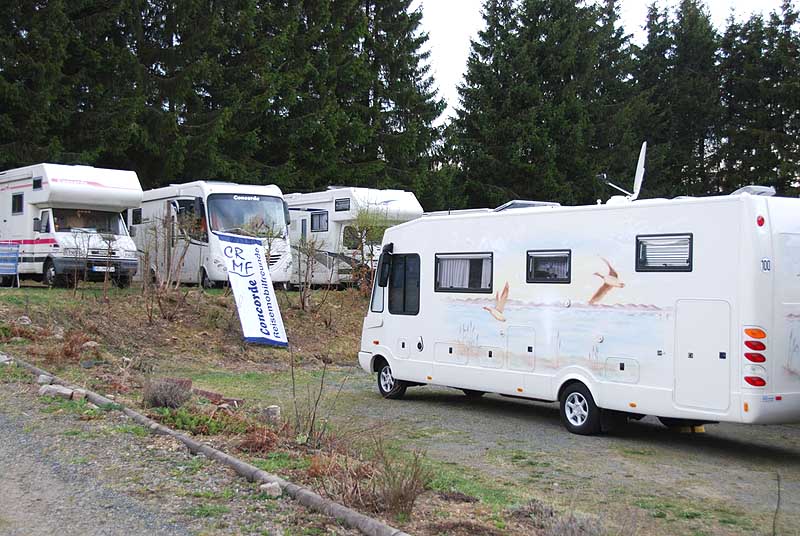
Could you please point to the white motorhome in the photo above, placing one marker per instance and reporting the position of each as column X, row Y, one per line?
column 68, row 221
column 171, row 229
column 686, row 309
column 337, row 220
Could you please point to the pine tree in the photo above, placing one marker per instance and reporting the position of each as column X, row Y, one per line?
column 33, row 48
column 694, row 100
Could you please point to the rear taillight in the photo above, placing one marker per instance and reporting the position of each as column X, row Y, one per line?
column 755, row 340
column 755, row 381
column 758, row 346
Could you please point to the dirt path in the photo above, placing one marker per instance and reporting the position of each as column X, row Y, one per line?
column 61, row 473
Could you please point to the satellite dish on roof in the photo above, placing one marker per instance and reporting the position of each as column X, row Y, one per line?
column 639, row 177
column 637, row 182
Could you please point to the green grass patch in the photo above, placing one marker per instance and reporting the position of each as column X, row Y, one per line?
column 282, row 461
column 198, row 423
column 449, row 477
column 133, row 429
column 226, row 494
column 208, row 510
column 13, row 374
column 80, row 434
column 78, row 407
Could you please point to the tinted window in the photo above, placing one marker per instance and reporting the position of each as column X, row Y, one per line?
column 341, row 205
column 664, row 253
column 549, row 266
column 404, row 285
column 319, row 222
column 16, row 204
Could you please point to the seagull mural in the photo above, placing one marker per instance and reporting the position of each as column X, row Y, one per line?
column 610, row 281
column 500, row 304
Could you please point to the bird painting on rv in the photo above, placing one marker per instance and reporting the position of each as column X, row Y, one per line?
column 500, row 304
column 610, row 281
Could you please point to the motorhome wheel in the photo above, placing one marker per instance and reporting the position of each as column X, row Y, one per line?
column 579, row 413
column 388, row 385
column 206, row 281
column 50, row 277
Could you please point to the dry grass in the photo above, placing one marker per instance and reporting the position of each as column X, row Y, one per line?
column 164, row 394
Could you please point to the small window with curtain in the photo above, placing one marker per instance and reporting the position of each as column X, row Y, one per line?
column 463, row 272
column 664, row 253
column 404, row 285
column 319, row 222
column 549, row 266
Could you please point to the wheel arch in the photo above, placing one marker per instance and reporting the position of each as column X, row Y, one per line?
column 576, row 378
column 376, row 359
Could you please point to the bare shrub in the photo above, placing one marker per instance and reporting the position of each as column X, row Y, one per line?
column 73, row 343
column 400, row 479
column 259, row 441
column 164, row 394
column 535, row 513
column 574, row 525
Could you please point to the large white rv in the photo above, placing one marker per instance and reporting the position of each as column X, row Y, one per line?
column 68, row 222
column 171, row 229
column 346, row 225
column 686, row 309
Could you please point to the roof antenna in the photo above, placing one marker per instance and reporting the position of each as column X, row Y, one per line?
column 637, row 181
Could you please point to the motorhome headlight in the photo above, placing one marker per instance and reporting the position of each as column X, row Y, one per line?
column 129, row 253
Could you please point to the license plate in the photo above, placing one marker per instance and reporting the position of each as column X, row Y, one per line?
column 104, row 268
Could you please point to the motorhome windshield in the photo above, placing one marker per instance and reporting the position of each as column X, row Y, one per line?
column 249, row 215
column 66, row 220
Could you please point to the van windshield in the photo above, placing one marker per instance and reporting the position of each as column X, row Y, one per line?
column 67, row 220
column 249, row 215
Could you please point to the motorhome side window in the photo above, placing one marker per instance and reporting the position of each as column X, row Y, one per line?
column 351, row 239
column 16, row 204
column 342, row 205
column 37, row 183
column 549, row 266
column 136, row 216
column 463, row 272
column 319, row 222
column 189, row 222
column 664, row 253
column 404, row 285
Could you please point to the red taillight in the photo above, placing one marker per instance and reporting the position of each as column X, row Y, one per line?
column 755, row 381
column 755, row 358
column 760, row 221
column 758, row 346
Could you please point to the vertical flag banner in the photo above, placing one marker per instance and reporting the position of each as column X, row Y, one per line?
column 248, row 272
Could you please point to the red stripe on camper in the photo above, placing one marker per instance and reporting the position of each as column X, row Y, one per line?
column 30, row 242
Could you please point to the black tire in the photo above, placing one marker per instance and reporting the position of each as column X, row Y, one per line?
column 388, row 385
column 579, row 414
column 472, row 394
column 49, row 275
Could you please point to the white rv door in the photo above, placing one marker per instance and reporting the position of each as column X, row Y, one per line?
column 702, row 354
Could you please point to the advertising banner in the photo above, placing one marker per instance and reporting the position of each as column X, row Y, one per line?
column 248, row 273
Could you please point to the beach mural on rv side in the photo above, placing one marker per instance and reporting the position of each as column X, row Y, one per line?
column 549, row 334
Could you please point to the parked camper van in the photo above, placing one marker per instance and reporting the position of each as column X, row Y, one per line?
column 685, row 309
column 346, row 225
column 68, row 222
column 171, row 229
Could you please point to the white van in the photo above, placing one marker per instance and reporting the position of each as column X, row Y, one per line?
column 686, row 309
column 68, row 222
column 332, row 219
column 248, row 210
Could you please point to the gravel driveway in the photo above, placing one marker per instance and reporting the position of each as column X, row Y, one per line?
column 62, row 474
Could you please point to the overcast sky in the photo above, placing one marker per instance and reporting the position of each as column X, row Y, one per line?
column 452, row 23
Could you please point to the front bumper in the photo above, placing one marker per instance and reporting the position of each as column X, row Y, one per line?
column 96, row 268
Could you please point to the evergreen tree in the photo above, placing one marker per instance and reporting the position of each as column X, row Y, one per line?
column 694, row 100
column 33, row 48
column 653, row 76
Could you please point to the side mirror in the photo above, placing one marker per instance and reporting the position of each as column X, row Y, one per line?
column 385, row 265
column 286, row 217
column 37, row 225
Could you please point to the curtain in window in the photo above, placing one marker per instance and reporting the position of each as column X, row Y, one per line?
column 486, row 273
column 453, row 273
